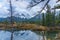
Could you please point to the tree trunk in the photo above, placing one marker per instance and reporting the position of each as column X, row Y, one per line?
column 44, row 37
column 11, row 35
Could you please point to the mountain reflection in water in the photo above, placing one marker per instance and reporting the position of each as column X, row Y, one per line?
column 20, row 35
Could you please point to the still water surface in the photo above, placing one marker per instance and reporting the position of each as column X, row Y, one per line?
column 20, row 35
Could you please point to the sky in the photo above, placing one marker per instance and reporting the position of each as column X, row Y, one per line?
column 20, row 7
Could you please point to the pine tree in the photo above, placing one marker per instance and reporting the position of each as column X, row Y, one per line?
column 48, row 16
column 43, row 19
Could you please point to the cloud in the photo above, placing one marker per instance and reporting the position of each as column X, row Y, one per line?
column 20, row 4
column 21, row 7
column 0, row 5
column 52, row 3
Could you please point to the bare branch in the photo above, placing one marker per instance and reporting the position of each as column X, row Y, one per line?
column 58, row 1
column 44, row 6
column 11, row 11
column 36, row 3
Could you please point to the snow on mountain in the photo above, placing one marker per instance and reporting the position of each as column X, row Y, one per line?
column 22, row 14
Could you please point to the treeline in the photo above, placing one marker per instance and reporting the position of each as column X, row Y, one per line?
column 49, row 18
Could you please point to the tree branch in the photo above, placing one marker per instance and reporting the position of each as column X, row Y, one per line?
column 30, row 6
column 44, row 6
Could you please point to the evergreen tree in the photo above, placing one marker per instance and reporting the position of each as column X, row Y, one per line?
column 50, row 17
column 43, row 19
column 53, row 18
column 59, row 19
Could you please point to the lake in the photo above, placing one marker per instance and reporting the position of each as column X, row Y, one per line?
column 27, row 35
column 20, row 35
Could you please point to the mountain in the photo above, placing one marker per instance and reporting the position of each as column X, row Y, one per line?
column 14, row 19
column 36, row 18
column 2, row 19
column 17, row 18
